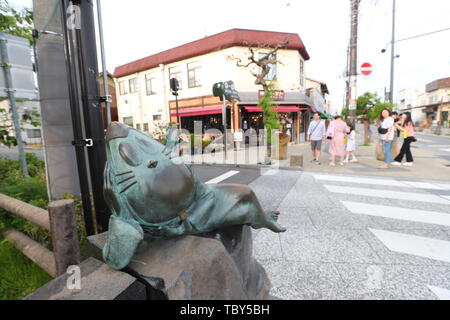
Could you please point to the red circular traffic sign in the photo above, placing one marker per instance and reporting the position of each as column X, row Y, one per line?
column 366, row 68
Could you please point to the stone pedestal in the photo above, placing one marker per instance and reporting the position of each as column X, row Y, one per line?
column 98, row 282
column 218, row 265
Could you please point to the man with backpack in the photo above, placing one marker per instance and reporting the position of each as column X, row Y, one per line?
column 316, row 134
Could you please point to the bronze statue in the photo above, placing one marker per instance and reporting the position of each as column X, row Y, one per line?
column 153, row 195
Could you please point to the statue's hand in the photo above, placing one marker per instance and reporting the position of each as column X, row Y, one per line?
column 123, row 238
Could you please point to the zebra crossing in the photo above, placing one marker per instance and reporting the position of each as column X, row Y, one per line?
column 425, row 194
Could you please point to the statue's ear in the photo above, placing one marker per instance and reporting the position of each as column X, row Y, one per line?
column 123, row 238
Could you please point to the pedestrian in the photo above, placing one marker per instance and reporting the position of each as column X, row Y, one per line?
column 337, row 132
column 387, row 132
column 406, row 126
column 394, row 146
column 351, row 144
column 316, row 134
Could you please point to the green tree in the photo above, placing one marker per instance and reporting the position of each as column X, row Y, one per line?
column 264, row 57
column 18, row 22
column 270, row 116
column 368, row 109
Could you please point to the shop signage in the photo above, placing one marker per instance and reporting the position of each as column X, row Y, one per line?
column 278, row 95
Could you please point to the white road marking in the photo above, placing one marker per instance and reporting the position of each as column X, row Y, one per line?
column 414, row 245
column 411, row 196
column 423, row 216
column 437, row 145
column 222, row 177
column 384, row 182
column 424, row 140
column 446, row 150
column 271, row 172
column 442, row 294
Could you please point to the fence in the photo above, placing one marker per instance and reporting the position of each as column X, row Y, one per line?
column 60, row 220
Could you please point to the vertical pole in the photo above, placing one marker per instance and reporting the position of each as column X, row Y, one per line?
column 63, row 228
column 12, row 101
column 86, row 54
column 76, row 121
column 391, row 93
column 353, row 58
column 178, row 114
column 103, row 58
column 224, row 122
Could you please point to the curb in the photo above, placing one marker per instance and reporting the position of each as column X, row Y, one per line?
column 246, row 166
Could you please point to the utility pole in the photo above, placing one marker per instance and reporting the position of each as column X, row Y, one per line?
column 354, row 5
column 391, row 90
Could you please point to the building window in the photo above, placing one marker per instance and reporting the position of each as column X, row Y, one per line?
column 194, row 70
column 272, row 75
column 33, row 133
column 157, row 117
column 146, row 127
column 134, row 87
column 175, row 72
column 150, row 85
column 138, row 126
column 123, row 87
column 128, row 121
column 302, row 72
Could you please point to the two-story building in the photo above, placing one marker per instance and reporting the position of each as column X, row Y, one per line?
column 433, row 104
column 145, row 97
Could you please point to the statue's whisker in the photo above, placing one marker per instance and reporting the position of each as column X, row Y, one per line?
column 128, row 186
column 123, row 173
column 126, row 179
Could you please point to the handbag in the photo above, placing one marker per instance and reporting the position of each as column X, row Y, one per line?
column 382, row 130
column 330, row 131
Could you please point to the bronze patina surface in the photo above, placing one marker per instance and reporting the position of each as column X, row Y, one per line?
column 153, row 195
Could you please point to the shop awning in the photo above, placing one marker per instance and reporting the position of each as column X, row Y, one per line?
column 197, row 111
column 277, row 109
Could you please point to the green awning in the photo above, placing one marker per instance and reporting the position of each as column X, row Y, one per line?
column 326, row 116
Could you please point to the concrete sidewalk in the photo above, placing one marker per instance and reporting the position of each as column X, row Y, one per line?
column 331, row 252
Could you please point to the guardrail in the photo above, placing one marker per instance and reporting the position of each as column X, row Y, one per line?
column 60, row 220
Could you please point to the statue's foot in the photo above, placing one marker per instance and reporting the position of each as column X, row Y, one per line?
column 273, row 225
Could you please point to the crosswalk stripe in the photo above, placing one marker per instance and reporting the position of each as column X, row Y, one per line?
column 222, row 177
column 411, row 196
column 437, row 145
column 384, row 182
column 414, row 245
column 398, row 213
column 446, row 150
column 442, row 294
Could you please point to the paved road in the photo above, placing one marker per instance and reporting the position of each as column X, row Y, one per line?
column 351, row 236
column 439, row 145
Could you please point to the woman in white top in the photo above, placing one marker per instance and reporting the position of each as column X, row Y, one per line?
column 387, row 136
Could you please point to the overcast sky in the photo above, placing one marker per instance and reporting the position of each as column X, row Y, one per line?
column 138, row 28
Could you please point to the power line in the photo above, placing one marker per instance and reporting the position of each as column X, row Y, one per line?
column 423, row 34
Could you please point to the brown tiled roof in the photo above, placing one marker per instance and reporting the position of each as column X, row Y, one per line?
column 226, row 39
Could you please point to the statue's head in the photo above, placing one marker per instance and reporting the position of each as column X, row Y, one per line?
column 141, row 180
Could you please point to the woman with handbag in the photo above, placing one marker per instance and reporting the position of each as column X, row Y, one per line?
column 387, row 132
column 407, row 130
column 336, row 132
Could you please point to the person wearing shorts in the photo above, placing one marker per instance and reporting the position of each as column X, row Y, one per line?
column 316, row 134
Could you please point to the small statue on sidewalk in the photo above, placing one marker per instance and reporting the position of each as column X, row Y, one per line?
column 154, row 196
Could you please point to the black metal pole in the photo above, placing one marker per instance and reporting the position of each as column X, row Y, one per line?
column 77, row 127
column 92, row 111
column 178, row 115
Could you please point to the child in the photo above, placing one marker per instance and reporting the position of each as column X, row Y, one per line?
column 351, row 145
